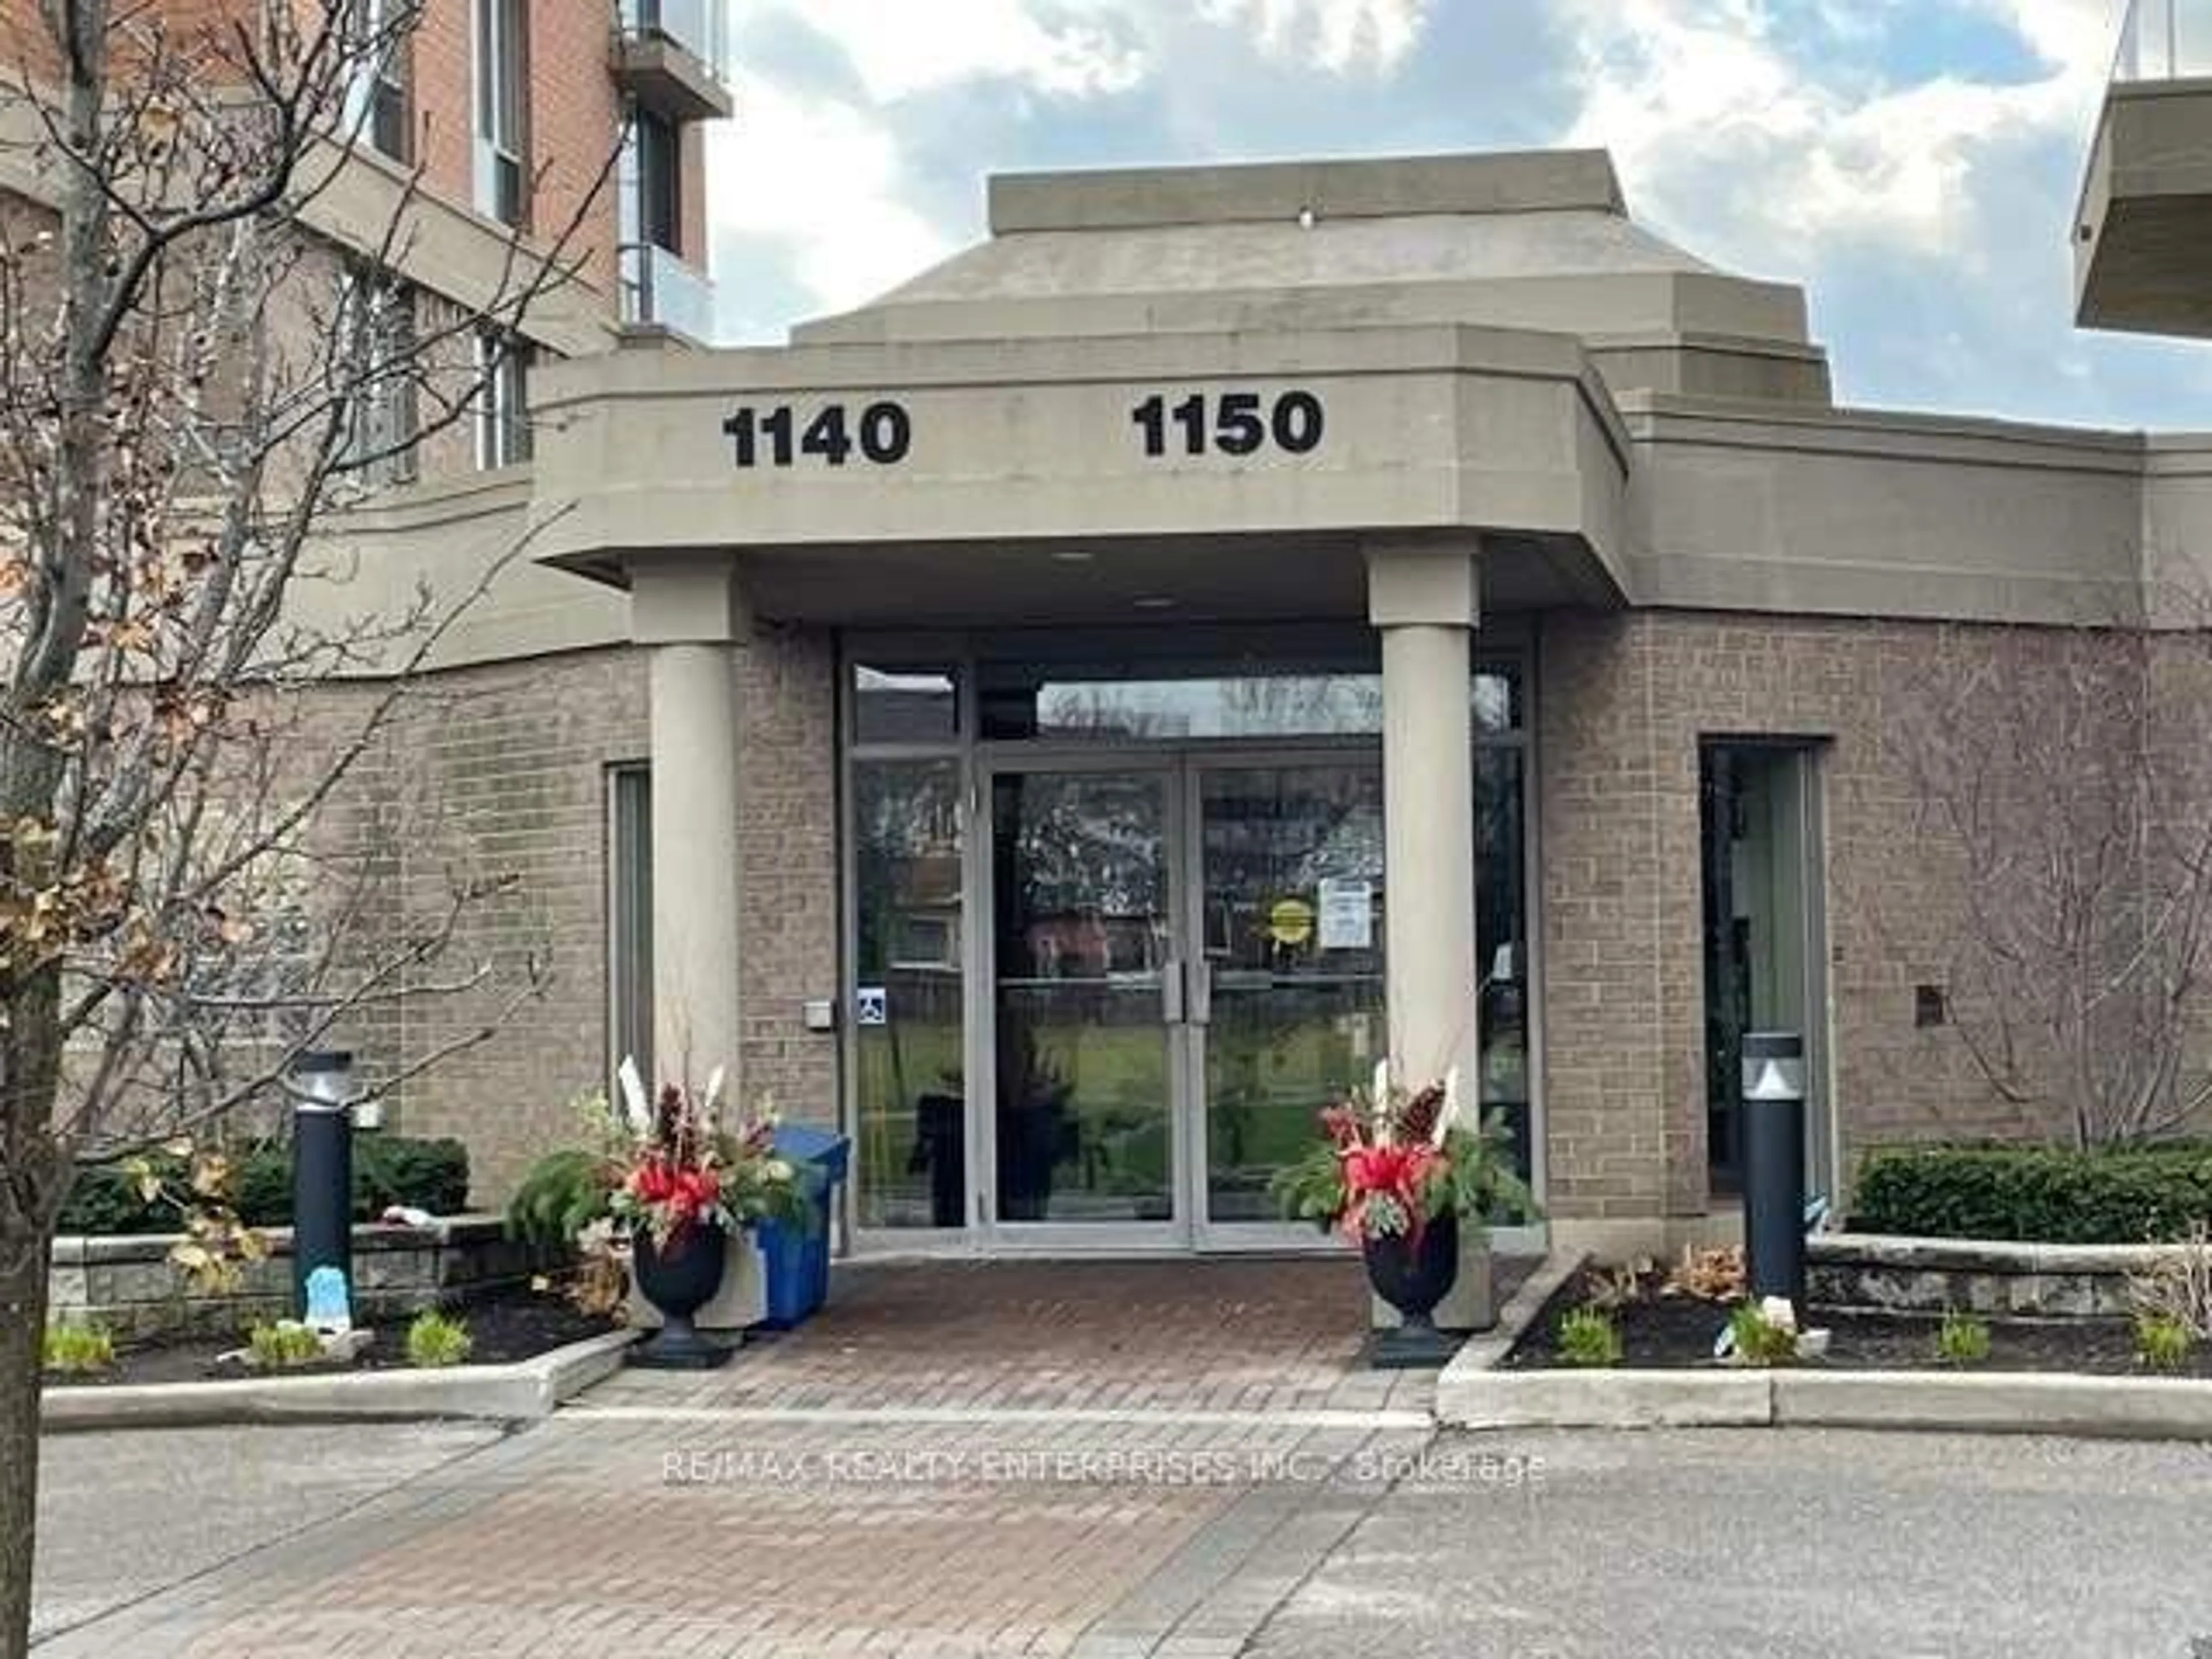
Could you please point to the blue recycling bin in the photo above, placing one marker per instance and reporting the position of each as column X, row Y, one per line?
column 795, row 1254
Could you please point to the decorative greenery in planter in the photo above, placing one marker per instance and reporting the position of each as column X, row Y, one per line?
column 1399, row 1175
column 434, row 1342
column 284, row 1346
column 1590, row 1338
column 111, row 1199
column 1962, row 1339
column 1389, row 1163
column 2036, row 1195
column 1757, row 1337
column 2163, row 1342
column 78, row 1350
column 660, row 1172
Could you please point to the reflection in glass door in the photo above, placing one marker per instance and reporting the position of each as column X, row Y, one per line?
column 1083, row 936
column 1289, row 994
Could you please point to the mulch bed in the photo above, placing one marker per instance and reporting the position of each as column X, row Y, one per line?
column 504, row 1330
column 1677, row 1333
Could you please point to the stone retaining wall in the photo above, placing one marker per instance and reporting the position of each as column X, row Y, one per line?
column 129, row 1285
column 1929, row 1275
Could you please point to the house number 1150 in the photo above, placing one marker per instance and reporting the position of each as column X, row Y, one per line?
column 1233, row 423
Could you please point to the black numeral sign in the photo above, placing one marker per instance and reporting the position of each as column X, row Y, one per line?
column 1233, row 423
column 775, row 437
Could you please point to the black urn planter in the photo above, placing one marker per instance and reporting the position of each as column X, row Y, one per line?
column 679, row 1281
column 1413, row 1278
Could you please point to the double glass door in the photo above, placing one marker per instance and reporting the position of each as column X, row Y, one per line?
column 1186, row 964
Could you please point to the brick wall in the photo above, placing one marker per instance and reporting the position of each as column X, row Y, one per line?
column 1623, row 701
column 787, row 799
column 499, row 771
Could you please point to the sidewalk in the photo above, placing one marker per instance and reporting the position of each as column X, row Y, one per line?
column 1094, row 1459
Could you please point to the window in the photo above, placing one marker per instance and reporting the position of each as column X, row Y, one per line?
column 503, row 400
column 660, row 184
column 376, row 327
column 376, row 94
column 502, row 101
column 629, row 918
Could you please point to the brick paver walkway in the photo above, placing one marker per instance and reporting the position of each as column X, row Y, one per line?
column 1091, row 1460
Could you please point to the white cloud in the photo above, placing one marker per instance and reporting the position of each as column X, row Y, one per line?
column 1721, row 129
column 822, row 178
column 899, row 47
column 1339, row 36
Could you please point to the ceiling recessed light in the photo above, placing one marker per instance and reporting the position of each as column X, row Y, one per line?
column 1071, row 555
column 1154, row 601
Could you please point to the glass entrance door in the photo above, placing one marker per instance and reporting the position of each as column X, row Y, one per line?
column 1086, row 1002
column 1187, row 966
column 1287, row 1000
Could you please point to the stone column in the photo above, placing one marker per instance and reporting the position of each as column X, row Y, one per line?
column 1424, row 599
column 689, row 615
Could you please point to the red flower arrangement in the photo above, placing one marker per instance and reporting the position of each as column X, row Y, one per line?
column 686, row 1174
column 1389, row 1162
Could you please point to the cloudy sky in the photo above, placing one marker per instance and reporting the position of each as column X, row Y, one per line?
column 1913, row 162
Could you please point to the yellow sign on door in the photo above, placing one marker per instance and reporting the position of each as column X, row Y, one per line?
column 1290, row 922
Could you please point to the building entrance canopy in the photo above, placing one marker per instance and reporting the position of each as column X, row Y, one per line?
column 869, row 483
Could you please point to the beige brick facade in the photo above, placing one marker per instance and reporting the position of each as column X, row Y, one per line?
column 1623, row 700
column 502, row 771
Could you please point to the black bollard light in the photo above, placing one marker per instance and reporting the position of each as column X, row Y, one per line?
column 322, row 1085
column 1774, row 1164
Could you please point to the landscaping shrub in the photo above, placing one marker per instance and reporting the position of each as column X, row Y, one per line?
column 1963, row 1340
column 1589, row 1338
column 78, row 1350
column 2036, row 1195
column 387, row 1169
column 285, row 1345
column 434, row 1342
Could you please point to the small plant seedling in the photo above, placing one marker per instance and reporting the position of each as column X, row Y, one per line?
column 74, row 1350
column 1590, row 1338
column 1758, row 1340
column 1963, row 1340
column 2163, row 1342
column 284, row 1347
column 434, row 1341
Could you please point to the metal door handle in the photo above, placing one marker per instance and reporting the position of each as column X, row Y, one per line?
column 1171, row 993
column 1201, row 991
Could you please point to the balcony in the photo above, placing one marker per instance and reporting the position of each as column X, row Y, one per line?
column 2143, row 239
column 670, row 56
column 660, row 291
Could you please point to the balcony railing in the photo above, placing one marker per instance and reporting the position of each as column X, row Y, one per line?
column 2166, row 40
column 701, row 28
column 659, row 289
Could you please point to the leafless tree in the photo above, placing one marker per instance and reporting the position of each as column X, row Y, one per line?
column 191, row 385
column 2059, row 783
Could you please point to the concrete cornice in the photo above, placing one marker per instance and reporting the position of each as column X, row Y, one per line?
column 1665, row 418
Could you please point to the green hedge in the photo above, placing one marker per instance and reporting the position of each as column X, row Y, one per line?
column 387, row 1169
column 2036, row 1195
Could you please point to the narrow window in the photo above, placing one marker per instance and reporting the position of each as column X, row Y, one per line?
column 659, row 183
column 503, row 400
column 629, row 917
column 502, row 102
column 376, row 113
column 378, row 367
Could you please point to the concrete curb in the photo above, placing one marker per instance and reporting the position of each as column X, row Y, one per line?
column 1607, row 1400
column 1996, row 1402
column 1487, row 1349
column 532, row 1389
